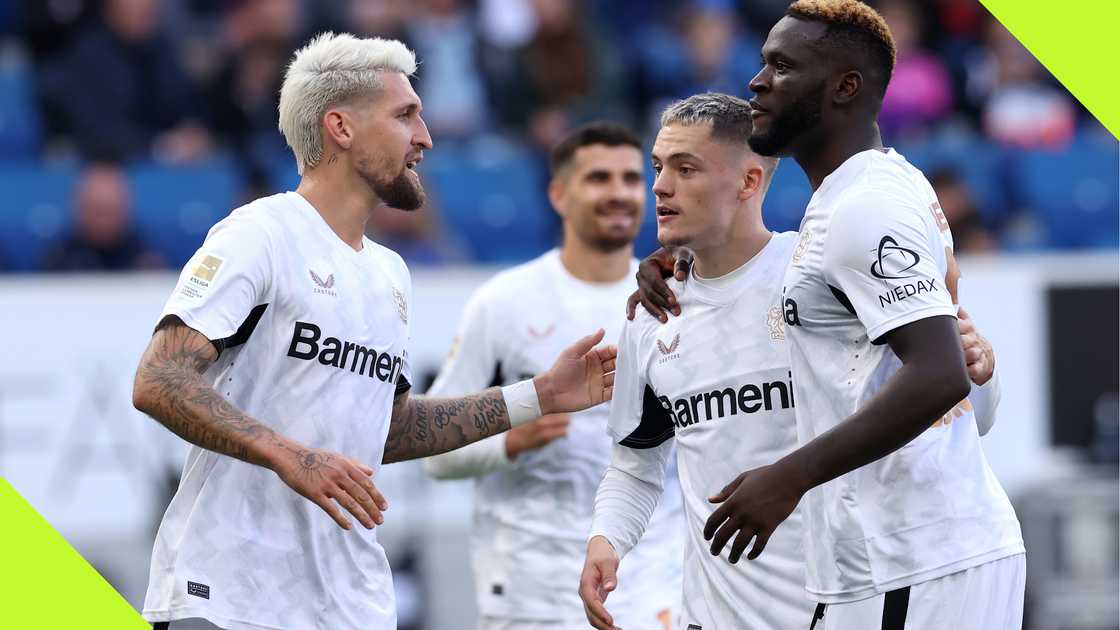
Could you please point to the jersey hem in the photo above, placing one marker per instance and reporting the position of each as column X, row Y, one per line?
column 179, row 613
column 908, row 318
column 847, row 597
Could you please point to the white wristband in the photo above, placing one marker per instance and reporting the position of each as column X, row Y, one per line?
column 522, row 403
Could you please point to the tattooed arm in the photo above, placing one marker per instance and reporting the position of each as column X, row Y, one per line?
column 430, row 426
column 581, row 377
column 169, row 386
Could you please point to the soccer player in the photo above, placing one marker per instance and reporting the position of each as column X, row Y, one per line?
column 727, row 364
column 535, row 485
column 281, row 356
column 906, row 526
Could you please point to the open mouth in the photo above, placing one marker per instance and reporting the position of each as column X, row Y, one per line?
column 411, row 164
column 666, row 211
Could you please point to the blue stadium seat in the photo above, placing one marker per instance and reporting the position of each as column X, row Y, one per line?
column 492, row 194
column 35, row 212
column 1074, row 191
column 787, row 198
column 175, row 206
column 20, row 128
column 981, row 165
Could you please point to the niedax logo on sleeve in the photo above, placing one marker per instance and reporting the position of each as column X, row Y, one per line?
column 202, row 275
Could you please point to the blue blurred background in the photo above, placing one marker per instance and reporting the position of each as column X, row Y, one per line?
column 128, row 127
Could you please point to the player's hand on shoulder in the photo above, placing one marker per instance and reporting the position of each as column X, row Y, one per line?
column 653, row 292
column 753, row 505
column 599, row 578
column 581, row 377
column 978, row 354
column 331, row 480
column 536, row 434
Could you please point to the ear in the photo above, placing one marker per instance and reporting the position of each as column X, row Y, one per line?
column 338, row 129
column 556, row 191
column 848, row 87
column 752, row 181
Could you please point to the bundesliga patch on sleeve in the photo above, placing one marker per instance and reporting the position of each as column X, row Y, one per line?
column 204, row 268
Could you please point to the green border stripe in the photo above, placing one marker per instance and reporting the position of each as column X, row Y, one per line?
column 1077, row 42
column 44, row 583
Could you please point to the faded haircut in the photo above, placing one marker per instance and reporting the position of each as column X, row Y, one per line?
column 332, row 70
column 729, row 117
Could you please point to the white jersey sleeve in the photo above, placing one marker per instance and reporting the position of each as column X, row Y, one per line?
column 637, row 418
column 888, row 265
column 226, row 283
column 984, row 400
column 629, row 494
column 472, row 365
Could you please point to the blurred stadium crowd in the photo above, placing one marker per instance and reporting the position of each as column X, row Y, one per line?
column 128, row 127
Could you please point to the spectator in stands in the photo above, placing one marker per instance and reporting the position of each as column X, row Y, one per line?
column 243, row 96
column 566, row 73
column 1020, row 104
column 969, row 233
column 708, row 50
column 444, row 35
column 921, row 91
column 103, row 238
column 120, row 92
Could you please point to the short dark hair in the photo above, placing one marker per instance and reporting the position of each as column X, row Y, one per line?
column 855, row 29
column 597, row 132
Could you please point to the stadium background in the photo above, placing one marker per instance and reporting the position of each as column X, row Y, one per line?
column 128, row 127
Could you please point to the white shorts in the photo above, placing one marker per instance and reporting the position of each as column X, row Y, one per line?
column 194, row 623
column 987, row 597
column 662, row 620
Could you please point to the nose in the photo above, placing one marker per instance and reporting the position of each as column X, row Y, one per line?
column 761, row 81
column 661, row 187
column 421, row 137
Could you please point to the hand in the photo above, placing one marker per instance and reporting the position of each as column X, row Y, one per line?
column 978, row 354
column 533, row 435
column 599, row 578
column 754, row 504
column 582, row 377
column 654, row 294
column 325, row 477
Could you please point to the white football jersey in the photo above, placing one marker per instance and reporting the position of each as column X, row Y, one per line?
column 717, row 380
column 313, row 339
column 531, row 519
column 873, row 254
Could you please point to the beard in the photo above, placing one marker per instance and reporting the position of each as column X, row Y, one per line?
column 605, row 241
column 797, row 120
column 402, row 192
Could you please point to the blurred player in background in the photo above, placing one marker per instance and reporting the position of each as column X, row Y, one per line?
column 535, row 485
column 907, row 526
column 725, row 389
column 282, row 357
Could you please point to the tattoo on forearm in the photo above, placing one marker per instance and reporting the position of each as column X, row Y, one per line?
column 170, row 375
column 429, row 426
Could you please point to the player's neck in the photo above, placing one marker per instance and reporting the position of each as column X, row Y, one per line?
column 593, row 265
column 344, row 206
column 727, row 256
column 820, row 161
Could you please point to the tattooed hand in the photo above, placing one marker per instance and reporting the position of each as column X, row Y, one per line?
column 325, row 477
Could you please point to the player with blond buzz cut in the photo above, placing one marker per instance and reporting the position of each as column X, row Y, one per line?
column 535, row 485
column 281, row 356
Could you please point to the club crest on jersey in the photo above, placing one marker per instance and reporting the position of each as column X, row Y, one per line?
column 775, row 323
column 803, row 241
column 325, row 287
column 402, row 306
column 669, row 351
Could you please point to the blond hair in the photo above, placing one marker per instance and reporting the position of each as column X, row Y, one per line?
column 329, row 71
